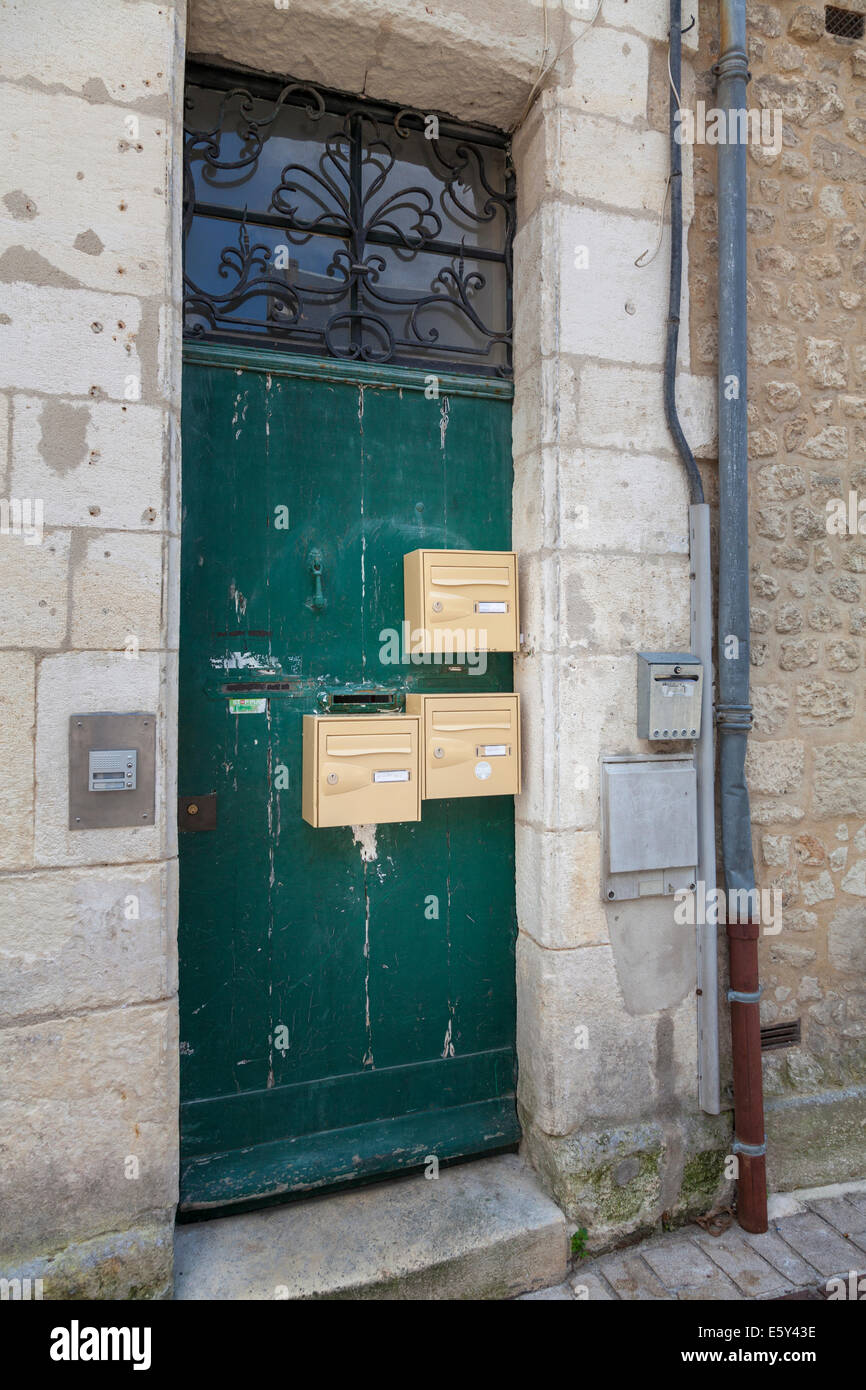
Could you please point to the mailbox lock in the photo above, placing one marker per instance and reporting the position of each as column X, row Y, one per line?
column 438, row 752
column 437, row 606
column 332, row 779
column 192, row 809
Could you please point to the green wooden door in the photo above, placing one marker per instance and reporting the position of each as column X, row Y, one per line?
column 347, row 995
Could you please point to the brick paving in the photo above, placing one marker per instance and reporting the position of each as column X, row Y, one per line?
column 813, row 1235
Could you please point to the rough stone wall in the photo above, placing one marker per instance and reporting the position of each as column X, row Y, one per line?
column 807, row 419
column 89, row 398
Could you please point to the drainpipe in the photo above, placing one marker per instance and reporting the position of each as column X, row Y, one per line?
column 701, row 638
column 733, row 712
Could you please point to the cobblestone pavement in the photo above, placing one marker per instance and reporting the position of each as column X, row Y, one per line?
column 814, row 1235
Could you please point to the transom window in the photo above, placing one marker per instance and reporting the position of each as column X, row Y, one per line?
column 317, row 223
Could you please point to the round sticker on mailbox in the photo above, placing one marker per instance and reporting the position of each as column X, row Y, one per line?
column 483, row 771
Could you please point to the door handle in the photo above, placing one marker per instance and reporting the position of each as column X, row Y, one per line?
column 316, row 565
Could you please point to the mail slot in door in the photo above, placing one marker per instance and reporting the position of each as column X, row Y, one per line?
column 470, row 744
column 361, row 769
column 462, row 600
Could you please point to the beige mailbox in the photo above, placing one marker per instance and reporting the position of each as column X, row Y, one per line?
column 361, row 769
column 462, row 600
column 470, row 744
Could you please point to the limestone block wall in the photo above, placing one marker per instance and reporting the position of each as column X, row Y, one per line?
column 473, row 59
column 807, row 407
column 601, row 523
column 89, row 399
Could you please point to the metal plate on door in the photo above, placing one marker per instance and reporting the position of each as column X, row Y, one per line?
column 197, row 812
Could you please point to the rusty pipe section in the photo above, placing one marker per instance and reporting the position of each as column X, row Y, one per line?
column 733, row 711
column 749, row 1142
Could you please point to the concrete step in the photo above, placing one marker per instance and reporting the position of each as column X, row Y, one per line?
column 480, row 1230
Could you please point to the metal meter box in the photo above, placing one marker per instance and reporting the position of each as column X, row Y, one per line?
column 462, row 600
column 361, row 769
column 470, row 744
column 669, row 691
column 649, row 825
column 112, row 770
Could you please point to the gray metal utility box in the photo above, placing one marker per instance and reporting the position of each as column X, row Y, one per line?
column 649, row 808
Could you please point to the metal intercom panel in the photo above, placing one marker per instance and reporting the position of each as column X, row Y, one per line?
column 112, row 770
column 650, row 825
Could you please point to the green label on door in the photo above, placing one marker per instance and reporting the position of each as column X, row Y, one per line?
column 248, row 706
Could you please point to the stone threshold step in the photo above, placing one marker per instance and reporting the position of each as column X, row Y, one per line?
column 482, row 1230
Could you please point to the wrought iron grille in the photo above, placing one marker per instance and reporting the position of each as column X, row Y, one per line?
column 316, row 223
column 845, row 24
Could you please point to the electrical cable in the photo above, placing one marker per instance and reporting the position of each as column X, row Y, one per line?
column 645, row 259
column 542, row 70
column 675, row 184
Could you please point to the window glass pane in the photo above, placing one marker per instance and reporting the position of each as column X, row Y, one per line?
column 243, row 277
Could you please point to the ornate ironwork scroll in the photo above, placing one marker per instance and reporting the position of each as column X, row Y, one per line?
column 360, row 231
